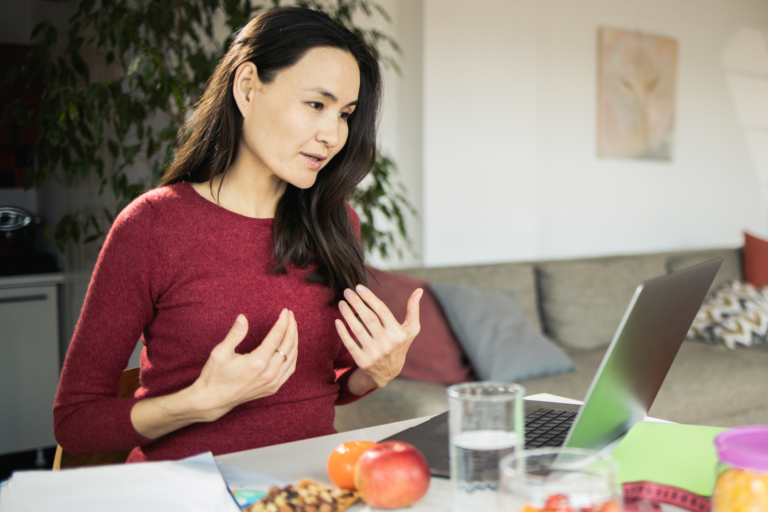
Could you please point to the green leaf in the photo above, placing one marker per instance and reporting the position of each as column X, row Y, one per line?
column 80, row 66
column 77, row 146
column 149, row 69
column 66, row 162
column 114, row 149
column 117, row 33
column 75, row 42
column 91, row 93
column 135, row 190
column 51, row 35
column 120, row 127
column 98, row 129
column 124, row 111
column 130, row 152
column 134, row 66
column 61, row 233
column 151, row 147
column 179, row 98
column 43, row 25
column 116, row 185
column 168, row 133
column 85, row 169
column 99, row 166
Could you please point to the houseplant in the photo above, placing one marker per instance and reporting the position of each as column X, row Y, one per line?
column 115, row 95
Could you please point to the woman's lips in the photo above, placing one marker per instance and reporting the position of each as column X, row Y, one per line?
column 315, row 162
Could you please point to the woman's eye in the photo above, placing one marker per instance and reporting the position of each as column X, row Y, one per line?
column 344, row 115
column 316, row 105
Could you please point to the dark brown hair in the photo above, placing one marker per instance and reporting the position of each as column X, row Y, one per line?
column 311, row 226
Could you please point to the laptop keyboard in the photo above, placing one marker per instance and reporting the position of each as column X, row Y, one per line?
column 546, row 427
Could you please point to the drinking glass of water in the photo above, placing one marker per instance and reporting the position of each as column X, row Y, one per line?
column 485, row 422
column 558, row 479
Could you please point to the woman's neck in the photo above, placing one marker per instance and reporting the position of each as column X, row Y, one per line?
column 244, row 191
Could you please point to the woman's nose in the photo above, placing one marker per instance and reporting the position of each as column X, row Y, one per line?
column 329, row 130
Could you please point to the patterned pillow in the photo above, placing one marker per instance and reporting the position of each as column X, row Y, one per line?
column 736, row 314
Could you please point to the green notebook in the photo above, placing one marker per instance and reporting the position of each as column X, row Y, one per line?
column 683, row 456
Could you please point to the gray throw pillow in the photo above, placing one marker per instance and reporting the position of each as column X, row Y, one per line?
column 499, row 341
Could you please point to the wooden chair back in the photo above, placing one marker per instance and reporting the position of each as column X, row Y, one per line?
column 129, row 383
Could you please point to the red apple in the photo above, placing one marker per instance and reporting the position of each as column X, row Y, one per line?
column 390, row 475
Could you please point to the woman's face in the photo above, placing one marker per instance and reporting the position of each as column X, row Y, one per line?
column 293, row 126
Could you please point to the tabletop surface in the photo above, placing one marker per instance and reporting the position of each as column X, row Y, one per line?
column 307, row 458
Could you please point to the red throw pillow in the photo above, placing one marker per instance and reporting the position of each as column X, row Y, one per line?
column 435, row 355
column 755, row 260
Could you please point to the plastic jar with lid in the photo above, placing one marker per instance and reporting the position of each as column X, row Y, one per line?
column 742, row 480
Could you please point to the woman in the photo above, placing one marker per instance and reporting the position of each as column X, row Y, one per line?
column 238, row 270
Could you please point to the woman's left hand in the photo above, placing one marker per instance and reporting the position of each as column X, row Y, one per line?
column 382, row 341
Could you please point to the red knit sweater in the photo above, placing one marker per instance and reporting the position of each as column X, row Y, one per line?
column 176, row 270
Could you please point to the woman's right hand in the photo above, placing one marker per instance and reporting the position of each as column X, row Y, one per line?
column 227, row 380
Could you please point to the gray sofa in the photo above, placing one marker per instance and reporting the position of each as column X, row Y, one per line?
column 579, row 303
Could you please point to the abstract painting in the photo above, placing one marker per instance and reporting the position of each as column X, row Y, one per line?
column 636, row 95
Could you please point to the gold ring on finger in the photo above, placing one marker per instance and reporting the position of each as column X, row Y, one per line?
column 284, row 356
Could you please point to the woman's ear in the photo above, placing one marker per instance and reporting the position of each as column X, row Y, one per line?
column 246, row 80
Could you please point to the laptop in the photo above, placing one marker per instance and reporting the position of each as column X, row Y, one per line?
column 626, row 383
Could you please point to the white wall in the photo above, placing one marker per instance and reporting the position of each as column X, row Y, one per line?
column 509, row 120
column 401, row 128
column 480, row 131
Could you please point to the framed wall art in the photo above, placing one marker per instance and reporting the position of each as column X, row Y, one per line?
column 636, row 95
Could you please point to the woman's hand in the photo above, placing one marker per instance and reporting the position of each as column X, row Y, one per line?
column 382, row 341
column 227, row 380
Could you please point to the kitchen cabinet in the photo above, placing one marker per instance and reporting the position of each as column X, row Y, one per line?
column 29, row 360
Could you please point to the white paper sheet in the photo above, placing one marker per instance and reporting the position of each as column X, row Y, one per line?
column 193, row 484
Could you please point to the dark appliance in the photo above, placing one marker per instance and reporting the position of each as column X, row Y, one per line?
column 19, row 231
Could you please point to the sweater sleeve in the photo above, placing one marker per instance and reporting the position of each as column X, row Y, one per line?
column 344, row 366
column 87, row 416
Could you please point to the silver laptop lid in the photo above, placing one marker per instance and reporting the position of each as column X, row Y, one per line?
column 642, row 350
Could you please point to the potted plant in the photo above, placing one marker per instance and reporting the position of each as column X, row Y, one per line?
column 115, row 95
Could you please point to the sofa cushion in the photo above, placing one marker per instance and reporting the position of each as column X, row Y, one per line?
column 755, row 260
column 500, row 342
column 736, row 314
column 583, row 301
column 518, row 278
column 401, row 399
column 729, row 271
column 713, row 385
column 435, row 355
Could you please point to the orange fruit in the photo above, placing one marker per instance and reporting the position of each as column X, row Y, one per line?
column 342, row 462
